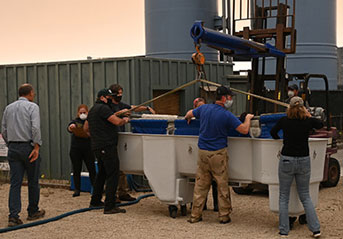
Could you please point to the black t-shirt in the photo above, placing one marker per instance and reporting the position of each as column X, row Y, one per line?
column 295, row 135
column 118, row 107
column 103, row 133
column 78, row 142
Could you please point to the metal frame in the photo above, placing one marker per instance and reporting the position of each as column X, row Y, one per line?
column 261, row 15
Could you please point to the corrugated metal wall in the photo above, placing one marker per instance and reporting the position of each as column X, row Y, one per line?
column 62, row 86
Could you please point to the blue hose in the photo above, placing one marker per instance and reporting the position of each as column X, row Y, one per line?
column 32, row 224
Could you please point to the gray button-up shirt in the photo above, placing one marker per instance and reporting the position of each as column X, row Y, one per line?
column 21, row 122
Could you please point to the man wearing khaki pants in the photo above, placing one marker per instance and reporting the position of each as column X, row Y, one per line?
column 215, row 122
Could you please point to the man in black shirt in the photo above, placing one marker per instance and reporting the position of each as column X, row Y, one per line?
column 120, row 107
column 293, row 90
column 102, row 126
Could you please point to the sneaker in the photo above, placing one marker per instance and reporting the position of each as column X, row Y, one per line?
column 316, row 234
column 225, row 221
column 127, row 197
column 76, row 193
column 114, row 210
column 36, row 215
column 99, row 204
column 12, row 222
column 194, row 220
column 283, row 235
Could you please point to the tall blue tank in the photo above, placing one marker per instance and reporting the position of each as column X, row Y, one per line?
column 316, row 52
column 168, row 24
column 316, row 48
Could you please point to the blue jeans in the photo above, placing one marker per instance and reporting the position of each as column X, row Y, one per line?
column 300, row 169
column 18, row 159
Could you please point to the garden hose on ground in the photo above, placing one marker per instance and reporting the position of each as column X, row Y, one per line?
column 41, row 222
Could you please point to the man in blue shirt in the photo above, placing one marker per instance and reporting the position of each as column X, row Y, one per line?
column 215, row 122
column 22, row 134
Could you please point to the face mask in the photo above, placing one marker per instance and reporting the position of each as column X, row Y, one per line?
column 83, row 116
column 117, row 98
column 290, row 93
column 228, row 103
column 109, row 101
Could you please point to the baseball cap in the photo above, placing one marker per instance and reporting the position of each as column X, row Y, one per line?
column 222, row 90
column 104, row 92
column 293, row 87
column 295, row 101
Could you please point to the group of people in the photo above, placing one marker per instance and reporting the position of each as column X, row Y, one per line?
column 95, row 132
column 295, row 162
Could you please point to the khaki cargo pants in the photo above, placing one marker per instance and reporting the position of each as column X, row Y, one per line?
column 212, row 165
column 123, row 186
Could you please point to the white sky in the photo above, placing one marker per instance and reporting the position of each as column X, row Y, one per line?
column 50, row 30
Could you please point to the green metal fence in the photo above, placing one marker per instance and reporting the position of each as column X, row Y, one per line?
column 62, row 86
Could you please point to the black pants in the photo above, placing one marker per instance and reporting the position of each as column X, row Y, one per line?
column 77, row 155
column 108, row 165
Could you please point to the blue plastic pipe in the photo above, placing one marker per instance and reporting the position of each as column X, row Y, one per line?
column 239, row 46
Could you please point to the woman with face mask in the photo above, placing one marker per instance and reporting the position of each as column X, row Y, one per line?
column 80, row 149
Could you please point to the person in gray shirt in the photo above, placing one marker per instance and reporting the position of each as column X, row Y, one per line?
column 20, row 129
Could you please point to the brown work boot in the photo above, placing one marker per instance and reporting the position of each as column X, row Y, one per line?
column 12, row 222
column 127, row 197
column 117, row 200
column 194, row 220
column 225, row 221
column 114, row 210
column 36, row 215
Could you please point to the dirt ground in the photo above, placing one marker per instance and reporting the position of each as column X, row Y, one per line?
column 251, row 218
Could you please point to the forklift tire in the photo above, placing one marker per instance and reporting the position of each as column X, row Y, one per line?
column 183, row 210
column 334, row 173
column 243, row 190
column 172, row 211
column 302, row 219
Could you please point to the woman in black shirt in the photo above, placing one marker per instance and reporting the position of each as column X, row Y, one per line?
column 295, row 162
column 80, row 149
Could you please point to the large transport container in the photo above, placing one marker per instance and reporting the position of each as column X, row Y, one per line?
column 62, row 86
column 169, row 159
column 169, row 162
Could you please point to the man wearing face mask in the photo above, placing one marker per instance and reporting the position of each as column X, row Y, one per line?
column 102, row 126
column 293, row 90
column 215, row 122
column 119, row 107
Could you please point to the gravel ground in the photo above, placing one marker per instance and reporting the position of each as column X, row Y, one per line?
column 251, row 218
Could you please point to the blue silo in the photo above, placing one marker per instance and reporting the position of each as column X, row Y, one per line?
column 168, row 24
column 316, row 48
column 316, row 52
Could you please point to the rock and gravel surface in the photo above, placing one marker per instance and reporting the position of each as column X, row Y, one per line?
column 251, row 218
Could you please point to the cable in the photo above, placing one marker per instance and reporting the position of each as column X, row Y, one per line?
column 41, row 222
